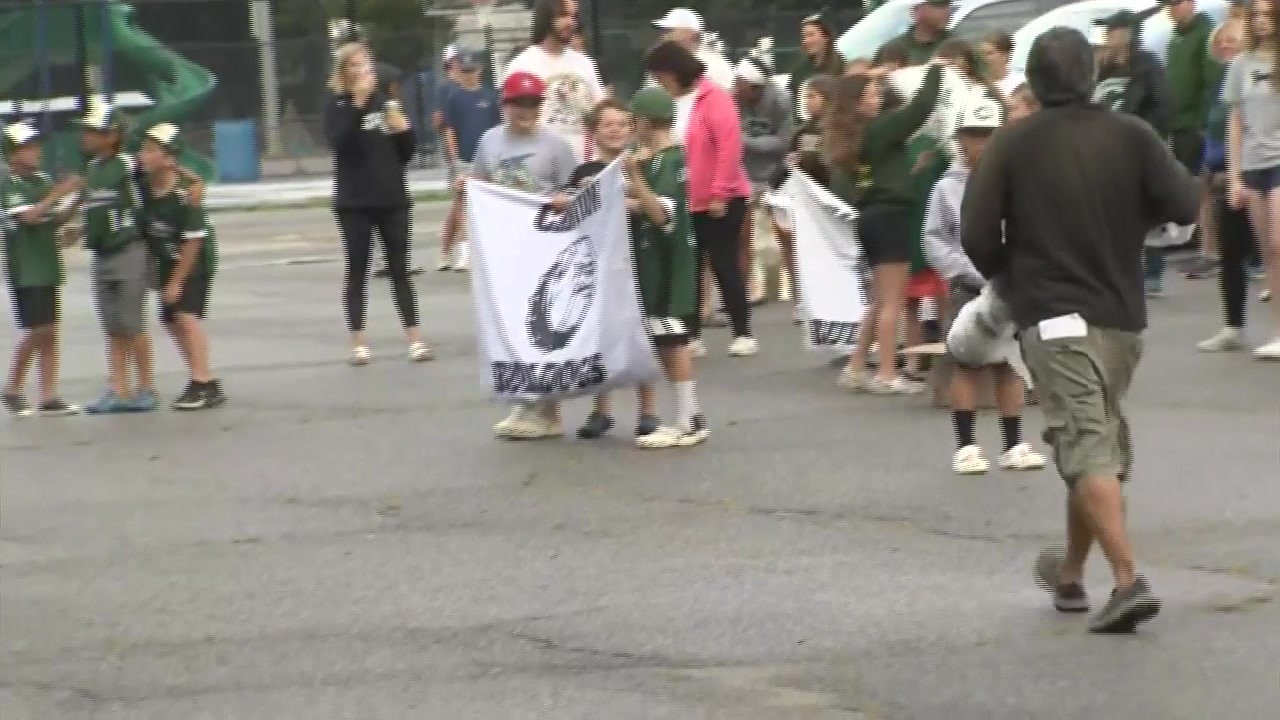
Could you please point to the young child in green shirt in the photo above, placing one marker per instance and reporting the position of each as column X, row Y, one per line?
column 112, row 198
column 33, row 266
column 184, row 248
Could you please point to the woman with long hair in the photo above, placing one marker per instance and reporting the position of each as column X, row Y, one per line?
column 372, row 143
column 866, row 149
column 1252, row 92
column 706, row 121
column 996, row 50
column 819, row 57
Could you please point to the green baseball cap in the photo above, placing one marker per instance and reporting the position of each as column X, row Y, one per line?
column 100, row 116
column 167, row 135
column 653, row 103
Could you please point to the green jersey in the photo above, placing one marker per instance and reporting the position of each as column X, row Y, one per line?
column 32, row 257
column 112, row 200
column 169, row 222
column 666, row 256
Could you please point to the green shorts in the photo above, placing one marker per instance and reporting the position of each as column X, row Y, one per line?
column 1082, row 383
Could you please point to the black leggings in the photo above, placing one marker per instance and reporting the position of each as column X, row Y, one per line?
column 356, row 226
column 1235, row 236
column 718, row 243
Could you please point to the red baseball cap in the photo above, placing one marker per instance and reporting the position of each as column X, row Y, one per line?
column 520, row 85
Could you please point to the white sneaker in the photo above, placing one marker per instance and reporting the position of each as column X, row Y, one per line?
column 744, row 346
column 897, row 386
column 533, row 425
column 969, row 460
column 462, row 257
column 444, row 262
column 419, row 352
column 660, row 439
column 1270, row 351
column 852, row 380
column 360, row 355
column 1264, row 296
column 503, row 427
column 697, row 348
column 1021, row 457
column 1227, row 340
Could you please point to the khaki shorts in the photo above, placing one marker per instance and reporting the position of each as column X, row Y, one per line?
column 1082, row 383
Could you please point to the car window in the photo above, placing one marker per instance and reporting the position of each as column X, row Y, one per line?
column 1005, row 16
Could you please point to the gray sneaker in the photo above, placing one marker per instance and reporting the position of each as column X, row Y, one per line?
column 1067, row 597
column 1126, row 609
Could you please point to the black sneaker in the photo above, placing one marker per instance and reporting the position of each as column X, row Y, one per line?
column 1067, row 597
column 16, row 405
column 647, row 425
column 192, row 398
column 595, row 427
column 213, row 395
column 1126, row 609
column 57, row 408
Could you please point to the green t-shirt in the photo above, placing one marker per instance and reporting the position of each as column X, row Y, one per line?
column 666, row 257
column 32, row 257
column 112, row 200
column 170, row 221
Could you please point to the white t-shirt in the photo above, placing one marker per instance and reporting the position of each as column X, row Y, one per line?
column 573, row 88
column 684, row 112
column 1010, row 83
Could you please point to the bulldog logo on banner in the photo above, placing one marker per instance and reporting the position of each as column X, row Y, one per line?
column 557, row 308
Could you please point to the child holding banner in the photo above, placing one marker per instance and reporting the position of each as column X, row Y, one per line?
column 944, row 252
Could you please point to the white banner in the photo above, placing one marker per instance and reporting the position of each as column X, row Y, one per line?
column 834, row 289
column 557, row 306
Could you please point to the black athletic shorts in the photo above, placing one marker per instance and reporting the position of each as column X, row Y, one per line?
column 194, row 300
column 36, row 306
column 1262, row 181
column 884, row 233
column 671, row 332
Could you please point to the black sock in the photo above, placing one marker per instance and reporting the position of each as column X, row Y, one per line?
column 962, row 421
column 1011, row 431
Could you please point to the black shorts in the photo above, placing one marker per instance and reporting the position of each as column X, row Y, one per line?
column 1262, row 181
column 36, row 306
column 671, row 332
column 884, row 233
column 194, row 300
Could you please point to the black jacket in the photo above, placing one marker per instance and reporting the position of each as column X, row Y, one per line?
column 1139, row 86
column 368, row 160
column 1059, row 207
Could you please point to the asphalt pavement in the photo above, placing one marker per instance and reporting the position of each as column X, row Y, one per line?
column 343, row 542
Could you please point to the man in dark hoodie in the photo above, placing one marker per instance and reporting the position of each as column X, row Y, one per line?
column 1058, row 211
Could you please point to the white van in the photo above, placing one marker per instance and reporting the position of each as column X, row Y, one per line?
column 970, row 19
column 1157, row 29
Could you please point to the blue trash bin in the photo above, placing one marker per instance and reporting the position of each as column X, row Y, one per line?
column 235, row 150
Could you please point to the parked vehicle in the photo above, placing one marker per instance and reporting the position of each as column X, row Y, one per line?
column 970, row 19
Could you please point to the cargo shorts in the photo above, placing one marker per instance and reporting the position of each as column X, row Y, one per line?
column 1082, row 383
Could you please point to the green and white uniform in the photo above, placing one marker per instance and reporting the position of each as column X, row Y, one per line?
column 170, row 221
column 113, row 198
column 31, row 255
column 667, row 256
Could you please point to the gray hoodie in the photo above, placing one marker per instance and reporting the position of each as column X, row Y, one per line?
column 941, row 239
column 766, row 133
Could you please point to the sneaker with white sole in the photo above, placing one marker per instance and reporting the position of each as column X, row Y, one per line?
column 419, row 352
column 1067, row 597
column 1021, row 457
column 661, row 438
column 444, row 262
column 503, row 426
column 533, row 425
column 697, row 433
column 1264, row 296
column 897, row 386
column 1270, row 351
column 360, row 355
column 969, row 460
column 1227, row 340
column 852, row 380
column 697, row 348
column 744, row 346
column 462, row 257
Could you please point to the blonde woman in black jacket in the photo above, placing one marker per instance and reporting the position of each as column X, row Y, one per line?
column 372, row 143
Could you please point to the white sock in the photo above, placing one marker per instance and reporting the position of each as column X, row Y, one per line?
column 686, row 403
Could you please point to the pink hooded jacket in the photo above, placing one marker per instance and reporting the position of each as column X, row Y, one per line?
column 713, row 148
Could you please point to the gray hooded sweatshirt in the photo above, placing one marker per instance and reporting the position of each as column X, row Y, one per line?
column 941, row 239
column 766, row 134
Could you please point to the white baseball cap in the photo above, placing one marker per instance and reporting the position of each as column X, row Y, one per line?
column 450, row 53
column 680, row 19
column 980, row 113
column 750, row 72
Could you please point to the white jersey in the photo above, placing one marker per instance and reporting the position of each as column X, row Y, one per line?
column 573, row 88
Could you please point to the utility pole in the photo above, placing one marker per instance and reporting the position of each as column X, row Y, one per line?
column 262, row 27
column 82, row 55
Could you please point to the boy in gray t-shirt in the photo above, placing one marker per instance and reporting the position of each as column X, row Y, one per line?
column 1252, row 91
column 523, row 155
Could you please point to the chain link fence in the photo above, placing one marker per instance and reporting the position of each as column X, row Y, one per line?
column 245, row 79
